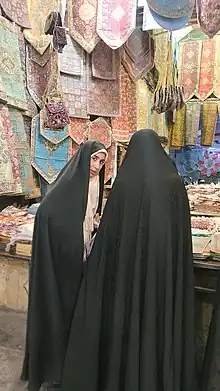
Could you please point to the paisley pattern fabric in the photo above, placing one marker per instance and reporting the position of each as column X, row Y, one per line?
column 116, row 21
column 47, row 158
column 17, row 11
column 54, row 136
column 100, row 130
column 78, row 128
column 10, row 66
column 193, row 110
column 209, row 16
column 38, row 12
column 209, row 118
column 103, row 62
column 82, row 16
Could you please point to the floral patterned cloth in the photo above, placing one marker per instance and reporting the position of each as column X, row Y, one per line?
column 78, row 128
column 103, row 62
column 193, row 110
column 209, row 16
column 16, row 10
column 100, row 130
column 209, row 118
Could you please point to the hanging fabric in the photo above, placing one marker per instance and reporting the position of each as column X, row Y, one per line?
column 111, row 164
column 209, row 16
column 209, row 118
column 206, row 72
column 138, row 54
column 54, row 136
column 193, row 110
column 82, row 17
column 116, row 20
column 189, row 67
column 47, row 158
column 126, row 123
column 78, row 130
column 103, row 62
column 216, row 87
column 71, row 59
column 100, row 130
column 17, row 11
column 54, row 27
column 176, row 130
column 10, row 66
column 142, row 92
column 104, row 95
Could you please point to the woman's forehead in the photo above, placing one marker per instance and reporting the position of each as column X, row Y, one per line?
column 100, row 155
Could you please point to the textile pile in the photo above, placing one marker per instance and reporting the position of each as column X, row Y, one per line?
column 204, row 198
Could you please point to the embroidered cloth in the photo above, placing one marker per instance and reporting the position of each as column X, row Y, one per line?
column 126, row 123
column 103, row 62
column 190, row 55
column 100, row 130
column 172, row 8
column 82, row 17
column 54, row 136
column 192, row 122
column 138, row 54
column 142, row 96
column 22, row 149
column 209, row 118
column 216, row 87
column 38, row 58
column 71, row 59
column 116, row 21
column 176, row 130
column 10, row 66
column 47, row 158
column 161, row 55
column 78, row 128
column 209, row 16
column 37, row 77
column 75, row 94
column 9, row 161
column 17, row 11
column 38, row 12
column 104, row 95
column 206, row 74
column 3, row 96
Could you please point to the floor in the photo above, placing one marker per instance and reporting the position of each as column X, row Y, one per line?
column 12, row 338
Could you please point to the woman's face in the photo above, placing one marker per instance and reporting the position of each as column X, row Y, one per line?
column 96, row 163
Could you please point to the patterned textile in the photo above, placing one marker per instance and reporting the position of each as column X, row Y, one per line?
column 75, row 94
column 104, row 95
column 37, row 76
column 126, row 124
column 48, row 159
column 176, row 130
column 216, row 87
column 38, row 12
column 22, row 149
column 209, row 118
column 36, row 192
column 9, row 160
column 172, row 8
column 192, row 122
column 75, row 148
column 138, row 54
column 142, row 96
column 10, row 66
column 111, row 164
column 54, row 136
column 71, row 59
column 161, row 54
column 82, row 15
column 209, row 16
column 38, row 58
column 17, row 11
column 103, row 62
column 3, row 96
column 100, row 130
column 206, row 76
column 78, row 129
column 190, row 54
column 116, row 21
column 154, row 120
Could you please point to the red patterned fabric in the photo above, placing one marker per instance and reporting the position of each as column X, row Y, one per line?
column 100, row 130
column 103, row 62
column 116, row 21
column 17, row 11
column 75, row 148
column 126, row 124
column 190, row 52
column 110, row 166
column 207, row 65
column 77, row 129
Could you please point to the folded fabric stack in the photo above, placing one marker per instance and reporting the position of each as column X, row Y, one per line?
column 204, row 198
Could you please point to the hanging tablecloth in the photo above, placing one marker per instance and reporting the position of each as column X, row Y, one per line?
column 142, row 96
column 9, row 160
column 126, row 124
column 176, row 130
column 189, row 68
column 54, row 136
column 161, row 54
column 78, row 129
column 22, row 150
column 103, row 62
column 17, row 11
column 10, row 66
column 71, row 59
column 206, row 74
column 47, row 158
column 216, row 86
column 116, row 20
column 104, row 95
column 193, row 110
column 38, row 12
column 100, row 130
column 82, row 16
column 209, row 16
column 209, row 118
column 138, row 54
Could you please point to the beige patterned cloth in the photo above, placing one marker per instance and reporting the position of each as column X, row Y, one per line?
column 38, row 12
column 216, row 83
column 142, row 93
column 192, row 122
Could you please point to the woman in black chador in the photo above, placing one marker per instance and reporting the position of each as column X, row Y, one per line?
column 64, row 224
column 210, row 379
column 133, row 328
